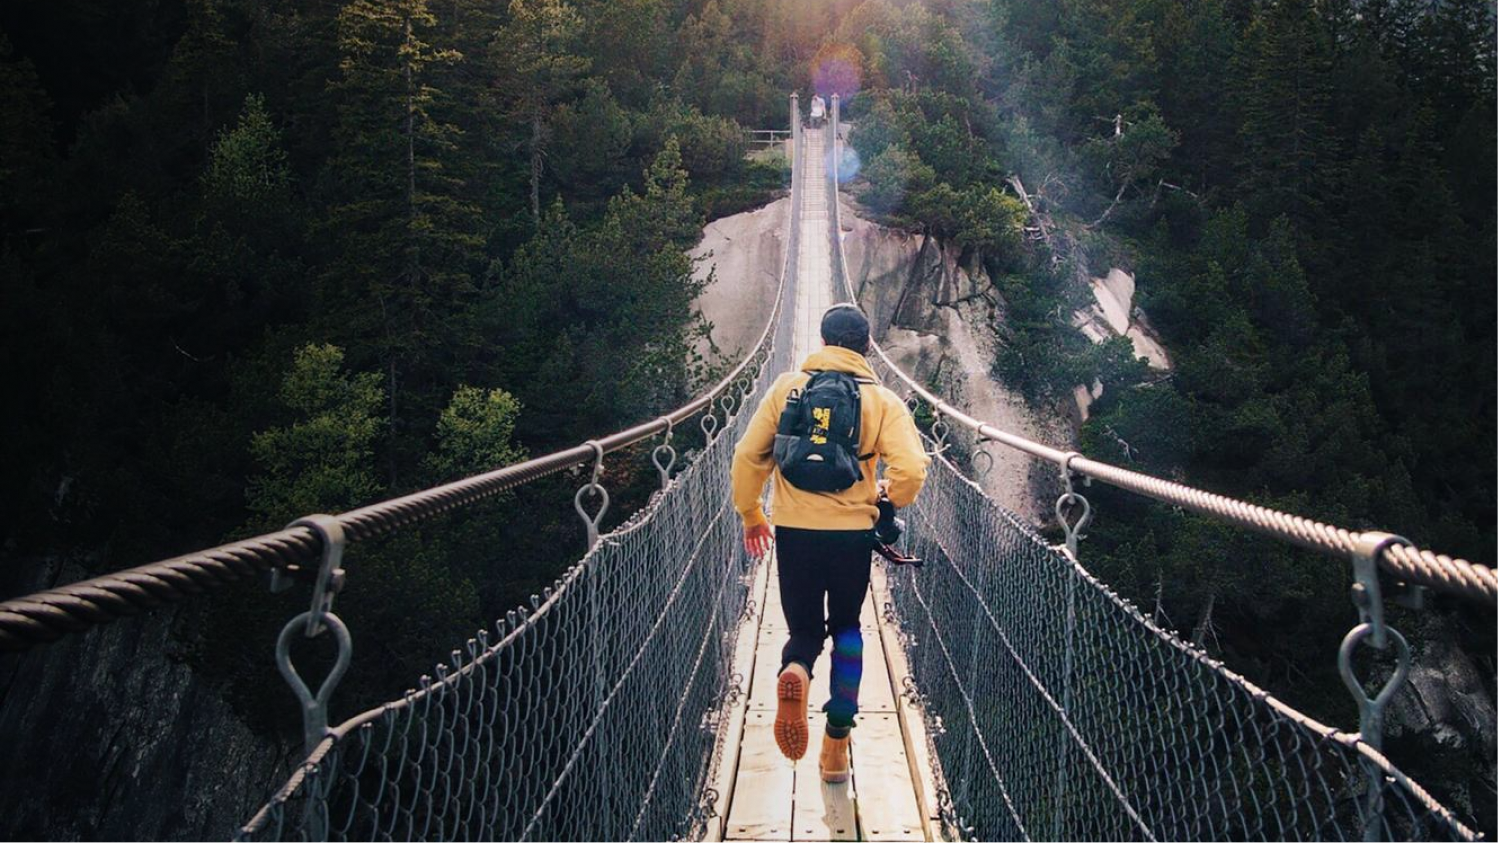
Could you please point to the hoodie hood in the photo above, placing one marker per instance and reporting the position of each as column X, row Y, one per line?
column 835, row 358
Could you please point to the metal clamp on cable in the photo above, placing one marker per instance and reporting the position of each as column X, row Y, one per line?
column 311, row 623
column 1069, row 497
column 330, row 577
column 593, row 488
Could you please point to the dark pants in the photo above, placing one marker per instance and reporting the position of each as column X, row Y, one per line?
column 831, row 567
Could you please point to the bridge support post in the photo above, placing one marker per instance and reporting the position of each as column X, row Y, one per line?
column 795, row 125
column 833, row 123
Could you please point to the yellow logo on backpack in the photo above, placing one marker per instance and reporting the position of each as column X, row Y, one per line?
column 822, row 420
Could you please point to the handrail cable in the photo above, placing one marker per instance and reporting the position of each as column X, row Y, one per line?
column 1405, row 561
column 48, row 615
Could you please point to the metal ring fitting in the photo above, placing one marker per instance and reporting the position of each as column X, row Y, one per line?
column 1073, row 531
column 664, row 468
column 1371, row 710
column 981, row 467
column 314, row 706
column 709, row 425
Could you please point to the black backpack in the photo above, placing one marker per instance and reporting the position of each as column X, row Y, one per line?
column 816, row 444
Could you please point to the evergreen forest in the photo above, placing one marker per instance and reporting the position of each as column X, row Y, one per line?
column 262, row 258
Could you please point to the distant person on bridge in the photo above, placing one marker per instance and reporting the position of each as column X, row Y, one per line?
column 818, row 111
column 819, row 432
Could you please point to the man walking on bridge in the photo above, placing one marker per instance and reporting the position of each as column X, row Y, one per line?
column 820, row 431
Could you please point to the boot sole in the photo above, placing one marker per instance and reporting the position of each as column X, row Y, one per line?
column 790, row 716
column 836, row 778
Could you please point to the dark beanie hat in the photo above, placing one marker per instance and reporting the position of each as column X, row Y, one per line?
column 845, row 325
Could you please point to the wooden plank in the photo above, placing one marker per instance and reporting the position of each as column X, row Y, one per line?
column 867, row 616
column 762, row 694
column 875, row 691
column 887, row 807
column 912, row 719
column 744, row 658
column 823, row 811
column 764, row 795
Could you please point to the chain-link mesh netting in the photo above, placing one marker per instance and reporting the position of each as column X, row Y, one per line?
column 1058, row 711
column 595, row 715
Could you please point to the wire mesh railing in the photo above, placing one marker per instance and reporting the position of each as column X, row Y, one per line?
column 1057, row 711
column 596, row 714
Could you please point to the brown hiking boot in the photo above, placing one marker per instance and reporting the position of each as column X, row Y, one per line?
column 790, row 717
column 834, row 764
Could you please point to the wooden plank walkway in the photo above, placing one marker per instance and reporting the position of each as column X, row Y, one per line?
column 764, row 796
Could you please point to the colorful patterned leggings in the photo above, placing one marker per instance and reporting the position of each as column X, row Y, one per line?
column 824, row 575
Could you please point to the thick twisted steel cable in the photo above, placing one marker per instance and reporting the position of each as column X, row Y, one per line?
column 48, row 615
column 1119, row 731
column 1406, row 562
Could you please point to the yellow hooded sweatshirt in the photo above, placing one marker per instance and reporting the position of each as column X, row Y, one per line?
column 887, row 431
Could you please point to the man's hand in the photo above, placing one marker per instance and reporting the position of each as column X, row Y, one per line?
column 757, row 540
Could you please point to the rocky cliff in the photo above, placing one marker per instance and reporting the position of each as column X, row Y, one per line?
column 934, row 309
column 106, row 736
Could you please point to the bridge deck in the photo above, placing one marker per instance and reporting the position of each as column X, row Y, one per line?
column 763, row 795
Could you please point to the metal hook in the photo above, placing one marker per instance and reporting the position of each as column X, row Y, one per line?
column 982, row 467
column 664, row 448
column 330, row 574
column 938, row 434
column 314, row 706
column 1070, row 496
column 709, row 425
column 1073, row 531
column 592, row 488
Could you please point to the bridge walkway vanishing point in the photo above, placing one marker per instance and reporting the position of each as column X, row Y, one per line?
column 1019, row 697
column 771, row 798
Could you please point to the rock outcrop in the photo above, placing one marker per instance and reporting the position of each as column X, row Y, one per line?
column 105, row 736
column 745, row 251
column 1441, row 726
column 933, row 309
column 1113, row 314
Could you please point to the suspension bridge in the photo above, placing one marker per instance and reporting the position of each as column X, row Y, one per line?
column 1008, row 694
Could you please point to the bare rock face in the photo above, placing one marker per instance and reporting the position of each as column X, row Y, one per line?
column 745, row 251
column 104, row 736
column 1442, row 727
column 933, row 309
column 1113, row 314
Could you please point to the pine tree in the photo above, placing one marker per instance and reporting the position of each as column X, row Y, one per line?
column 409, row 239
column 26, row 139
column 537, row 70
column 1283, row 96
